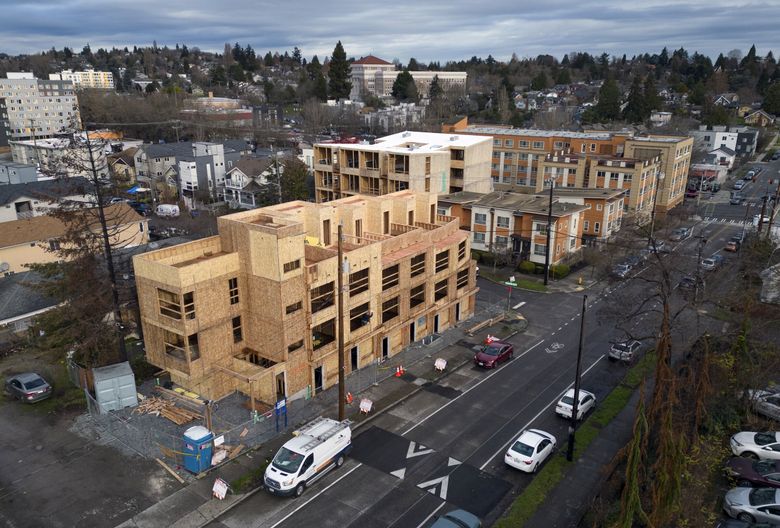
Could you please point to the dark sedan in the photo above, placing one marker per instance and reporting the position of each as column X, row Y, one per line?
column 28, row 387
column 754, row 473
column 491, row 354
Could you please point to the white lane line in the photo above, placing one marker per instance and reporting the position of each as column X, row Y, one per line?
column 431, row 514
column 315, row 496
column 573, row 318
column 483, row 380
column 555, row 400
column 518, row 305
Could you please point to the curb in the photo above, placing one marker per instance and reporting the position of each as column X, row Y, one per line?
column 546, row 291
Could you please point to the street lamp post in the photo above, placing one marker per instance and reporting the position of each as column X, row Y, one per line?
column 575, row 403
column 549, row 234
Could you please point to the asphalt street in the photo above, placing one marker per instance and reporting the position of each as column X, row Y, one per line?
column 719, row 209
column 443, row 448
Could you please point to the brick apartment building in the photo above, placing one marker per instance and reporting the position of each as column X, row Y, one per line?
column 419, row 161
column 523, row 159
column 254, row 308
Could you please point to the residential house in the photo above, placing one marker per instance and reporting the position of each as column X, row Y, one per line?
column 246, row 182
column 741, row 139
column 729, row 100
column 760, row 118
column 12, row 172
column 21, row 302
column 724, row 156
column 516, row 224
column 253, row 309
column 121, row 165
column 21, row 201
column 420, row 161
column 36, row 239
column 603, row 214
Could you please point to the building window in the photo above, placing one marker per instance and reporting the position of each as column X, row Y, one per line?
column 479, row 238
column 427, row 165
column 54, row 245
column 358, row 282
column 321, row 297
column 540, row 249
column 585, row 225
column 508, row 143
column 462, row 250
column 593, row 147
column 237, row 334
column 462, row 279
column 596, row 227
column 389, row 309
column 292, row 265
column 522, row 144
column 292, row 308
column 442, row 261
column 538, row 144
column 496, row 142
column 541, row 229
column 417, row 296
column 572, row 242
column 295, row 346
column 233, row 288
column 390, row 277
column 502, row 221
column 417, row 265
column 599, row 207
column 170, row 304
column 480, row 218
column 173, row 344
column 502, row 242
column 359, row 317
column 440, row 290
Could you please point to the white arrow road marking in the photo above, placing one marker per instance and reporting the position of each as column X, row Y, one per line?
column 453, row 462
column 399, row 473
column 431, row 485
column 414, row 452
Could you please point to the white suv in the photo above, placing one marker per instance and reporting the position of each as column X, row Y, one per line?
column 625, row 350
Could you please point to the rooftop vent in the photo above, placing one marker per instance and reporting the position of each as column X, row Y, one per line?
column 453, row 138
column 406, row 134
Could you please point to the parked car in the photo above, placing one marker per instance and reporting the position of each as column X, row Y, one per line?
column 736, row 198
column 754, row 473
column 658, row 246
column 457, row 519
column 633, row 260
column 28, row 387
column 587, row 401
column 681, row 233
column 767, row 404
column 689, row 282
column 765, row 446
column 167, row 210
column 491, row 354
column 116, row 200
column 712, row 263
column 753, row 504
column 531, row 448
column 776, row 155
column 749, row 175
column 736, row 523
column 732, row 246
column 621, row 271
column 738, row 185
column 624, row 350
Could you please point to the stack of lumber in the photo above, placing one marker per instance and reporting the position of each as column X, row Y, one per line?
column 166, row 409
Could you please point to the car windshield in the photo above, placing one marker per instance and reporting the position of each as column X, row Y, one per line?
column 34, row 384
column 760, row 496
column 764, row 438
column 707, row 262
column 523, row 449
column 764, row 467
column 491, row 350
column 568, row 400
column 622, row 346
column 287, row 461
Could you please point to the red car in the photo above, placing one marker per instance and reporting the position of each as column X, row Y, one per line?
column 491, row 354
column 754, row 473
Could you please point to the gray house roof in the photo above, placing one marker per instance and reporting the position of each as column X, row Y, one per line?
column 52, row 189
column 19, row 298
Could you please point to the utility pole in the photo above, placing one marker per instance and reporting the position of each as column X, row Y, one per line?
column 575, row 404
column 340, row 337
column 549, row 233
column 658, row 181
column 107, row 250
column 35, row 142
column 772, row 214
column 699, row 281
column 763, row 212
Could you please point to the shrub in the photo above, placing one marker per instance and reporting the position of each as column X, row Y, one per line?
column 559, row 271
column 526, row 266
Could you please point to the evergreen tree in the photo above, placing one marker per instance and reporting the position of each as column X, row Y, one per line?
column 652, row 100
column 564, row 76
column 698, row 94
column 413, row 65
column 218, row 75
column 320, row 87
column 268, row 60
column 635, row 109
column 540, row 82
column 296, row 56
column 435, row 92
column 772, row 99
column 608, row 107
column 339, row 85
column 404, row 88
column 565, row 60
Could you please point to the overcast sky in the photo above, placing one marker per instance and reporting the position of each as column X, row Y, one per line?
column 424, row 29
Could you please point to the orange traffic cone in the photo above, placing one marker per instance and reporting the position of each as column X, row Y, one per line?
column 402, row 370
column 349, row 398
column 397, row 372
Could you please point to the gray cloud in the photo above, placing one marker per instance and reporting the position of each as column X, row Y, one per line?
column 424, row 29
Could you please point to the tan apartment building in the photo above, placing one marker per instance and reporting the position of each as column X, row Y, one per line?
column 254, row 308
column 603, row 214
column 35, row 240
column 516, row 224
column 371, row 75
column 418, row 161
column 523, row 159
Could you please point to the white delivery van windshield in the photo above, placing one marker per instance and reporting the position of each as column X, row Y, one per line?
column 287, row 461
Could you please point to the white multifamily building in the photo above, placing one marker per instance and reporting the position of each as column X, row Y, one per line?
column 374, row 76
column 86, row 79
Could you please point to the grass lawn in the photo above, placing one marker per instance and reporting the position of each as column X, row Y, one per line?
column 526, row 504
column 525, row 284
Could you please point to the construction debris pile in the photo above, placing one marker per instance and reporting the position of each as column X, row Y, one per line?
column 167, row 409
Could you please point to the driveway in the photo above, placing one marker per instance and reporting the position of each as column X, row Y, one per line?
column 53, row 477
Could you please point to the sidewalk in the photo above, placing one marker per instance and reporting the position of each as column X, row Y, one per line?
column 193, row 506
column 567, row 503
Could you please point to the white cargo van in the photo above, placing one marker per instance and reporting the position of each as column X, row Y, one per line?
column 317, row 447
column 170, row 210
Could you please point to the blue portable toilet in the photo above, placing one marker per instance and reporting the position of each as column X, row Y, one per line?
column 197, row 449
